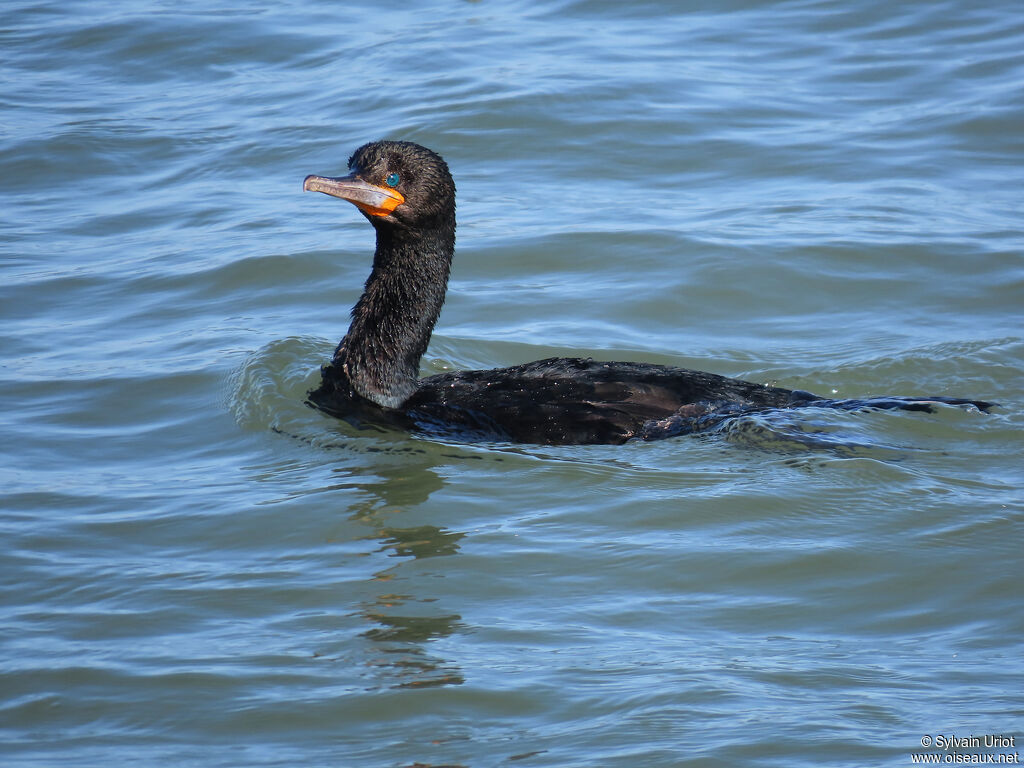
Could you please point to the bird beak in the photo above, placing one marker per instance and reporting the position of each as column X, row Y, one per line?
column 369, row 198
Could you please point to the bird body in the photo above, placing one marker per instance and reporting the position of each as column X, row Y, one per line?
column 568, row 401
column 407, row 194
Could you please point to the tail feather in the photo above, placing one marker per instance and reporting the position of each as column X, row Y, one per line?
column 699, row 417
column 925, row 404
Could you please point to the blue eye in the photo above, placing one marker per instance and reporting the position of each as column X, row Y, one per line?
column 392, row 180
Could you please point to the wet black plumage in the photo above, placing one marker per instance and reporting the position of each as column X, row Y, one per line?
column 407, row 194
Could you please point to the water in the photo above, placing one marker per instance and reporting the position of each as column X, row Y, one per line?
column 199, row 570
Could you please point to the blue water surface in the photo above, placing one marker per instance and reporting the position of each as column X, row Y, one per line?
column 201, row 570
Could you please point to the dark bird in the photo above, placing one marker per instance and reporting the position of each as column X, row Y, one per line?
column 407, row 194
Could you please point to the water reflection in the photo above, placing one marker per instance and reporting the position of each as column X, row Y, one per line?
column 403, row 652
column 405, row 622
column 421, row 541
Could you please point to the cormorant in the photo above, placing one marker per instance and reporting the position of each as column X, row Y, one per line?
column 407, row 194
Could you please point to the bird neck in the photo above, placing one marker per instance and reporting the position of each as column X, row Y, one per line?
column 393, row 319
